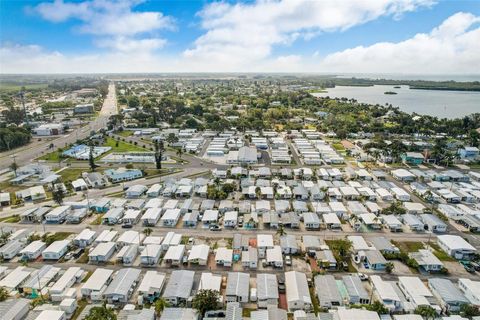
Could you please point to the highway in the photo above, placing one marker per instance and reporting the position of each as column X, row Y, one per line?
column 36, row 149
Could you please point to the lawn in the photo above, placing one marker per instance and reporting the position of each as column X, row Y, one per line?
column 53, row 156
column 122, row 146
column 57, row 236
column 409, row 246
column 71, row 174
column 439, row 253
column 97, row 221
column 124, row 133
column 9, row 87
column 11, row 219
column 338, row 147
column 81, row 305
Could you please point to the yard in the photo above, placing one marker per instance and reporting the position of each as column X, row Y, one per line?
column 71, row 174
column 53, row 156
column 124, row 133
column 439, row 253
column 122, row 146
column 57, row 236
column 409, row 246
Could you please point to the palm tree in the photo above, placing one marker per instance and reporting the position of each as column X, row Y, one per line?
column 101, row 313
column 281, row 231
column 3, row 294
column 147, row 231
column 180, row 152
column 160, row 305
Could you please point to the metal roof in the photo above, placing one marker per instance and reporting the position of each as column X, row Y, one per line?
column 123, row 282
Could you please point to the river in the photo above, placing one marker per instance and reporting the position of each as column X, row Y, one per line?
column 439, row 103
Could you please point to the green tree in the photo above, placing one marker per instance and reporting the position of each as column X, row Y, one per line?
column 159, row 148
column 160, row 305
column 377, row 307
column 147, row 231
column 396, row 208
column 426, row 312
column 389, row 267
column 469, row 311
column 91, row 159
column 342, row 246
column 281, row 231
column 180, row 152
column 172, row 138
column 3, row 294
column 58, row 195
column 205, row 300
column 14, row 167
column 101, row 313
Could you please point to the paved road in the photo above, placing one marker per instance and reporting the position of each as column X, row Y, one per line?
column 26, row 155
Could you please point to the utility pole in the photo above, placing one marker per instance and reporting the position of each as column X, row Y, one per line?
column 22, row 97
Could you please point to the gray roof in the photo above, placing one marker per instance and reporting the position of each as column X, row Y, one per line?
column 382, row 243
column 327, row 290
column 374, row 257
column 179, row 314
column 238, row 284
column 267, row 287
column 354, row 287
column 14, row 308
column 123, row 282
column 447, row 290
column 432, row 219
column 234, row 311
column 180, row 284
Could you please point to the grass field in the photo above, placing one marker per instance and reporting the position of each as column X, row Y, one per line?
column 9, row 87
column 11, row 219
column 122, row 146
column 53, row 156
column 409, row 246
column 124, row 133
column 71, row 174
column 439, row 253
column 338, row 147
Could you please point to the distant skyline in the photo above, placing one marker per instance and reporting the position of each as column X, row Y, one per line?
column 364, row 36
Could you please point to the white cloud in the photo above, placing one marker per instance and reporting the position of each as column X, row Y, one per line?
column 112, row 20
column 239, row 34
column 452, row 47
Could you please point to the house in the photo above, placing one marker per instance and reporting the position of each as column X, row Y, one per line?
column 123, row 174
column 56, row 250
column 392, row 222
column 136, row 191
column 94, row 179
column 385, row 293
column 456, row 247
column 403, row 175
column 384, row 245
column 179, row 287
column 57, row 215
column 121, row 287
column 154, row 190
column 413, row 222
column 170, row 218
column 400, row 194
column 174, row 255
column 102, row 252
column 17, row 277
column 384, row 194
column 151, row 286
column 94, row 287
column 332, row 221
column 190, row 219
column 4, row 199
column 471, row 290
column 311, row 243
column 11, row 249
column 417, row 293
column 450, row 297
column 289, row 245
column 414, row 158
column 210, row 217
column 199, row 254
column 274, row 257
column 468, row 153
column 179, row 314
column 355, row 290
column 34, row 215
column 171, row 239
column 247, row 156
column 210, row 281
column 264, row 242
column 326, row 259
column 427, row 260
column 224, row 257
column 14, row 309
column 267, row 290
column 131, row 217
column 150, row 254
column 375, row 260
column 62, row 287
column 33, row 250
column 230, row 219
column 106, row 236
column 130, row 237
column 311, row 221
column 101, row 205
column 84, row 238
column 327, row 291
column 297, row 292
column 238, row 287
column 79, row 185
column 113, row 216
column 127, row 254
column 250, row 258
column 414, row 207
column 433, row 223
column 357, row 314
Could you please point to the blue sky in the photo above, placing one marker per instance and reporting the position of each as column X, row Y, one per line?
column 388, row 36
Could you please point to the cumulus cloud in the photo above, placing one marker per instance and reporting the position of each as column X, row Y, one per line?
column 452, row 47
column 114, row 19
column 244, row 33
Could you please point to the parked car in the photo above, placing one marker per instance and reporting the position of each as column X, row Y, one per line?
column 363, row 276
column 288, row 260
column 215, row 228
